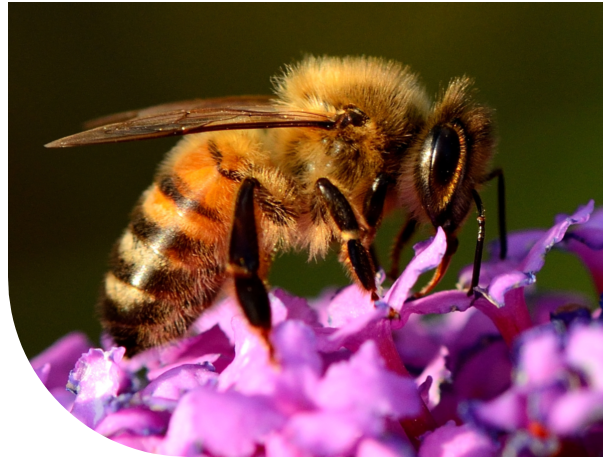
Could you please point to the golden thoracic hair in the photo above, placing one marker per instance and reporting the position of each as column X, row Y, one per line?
column 386, row 90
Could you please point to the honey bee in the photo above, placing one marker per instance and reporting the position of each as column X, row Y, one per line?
column 356, row 138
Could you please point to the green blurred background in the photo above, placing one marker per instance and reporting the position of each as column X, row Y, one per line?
column 540, row 66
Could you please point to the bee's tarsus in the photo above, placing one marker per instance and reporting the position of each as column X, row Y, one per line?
column 479, row 247
column 362, row 265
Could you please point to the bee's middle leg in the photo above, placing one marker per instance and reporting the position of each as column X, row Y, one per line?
column 341, row 211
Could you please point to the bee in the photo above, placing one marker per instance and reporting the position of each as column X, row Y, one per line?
column 343, row 142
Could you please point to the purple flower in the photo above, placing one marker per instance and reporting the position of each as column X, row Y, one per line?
column 346, row 376
column 54, row 364
column 556, row 395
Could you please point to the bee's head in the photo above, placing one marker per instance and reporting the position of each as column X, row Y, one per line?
column 452, row 156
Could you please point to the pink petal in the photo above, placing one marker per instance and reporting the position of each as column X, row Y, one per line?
column 438, row 374
column 428, row 255
column 457, row 441
column 387, row 447
column 363, row 387
column 575, row 411
column 173, row 383
column 220, row 423
column 585, row 353
column 322, row 433
column 61, row 358
column 136, row 420
column 96, row 380
column 540, row 359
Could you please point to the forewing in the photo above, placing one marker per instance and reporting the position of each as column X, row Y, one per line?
column 192, row 104
column 194, row 116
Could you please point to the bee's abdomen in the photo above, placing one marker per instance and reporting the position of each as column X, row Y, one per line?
column 161, row 278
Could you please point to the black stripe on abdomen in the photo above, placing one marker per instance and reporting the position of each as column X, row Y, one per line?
column 170, row 186
column 171, row 242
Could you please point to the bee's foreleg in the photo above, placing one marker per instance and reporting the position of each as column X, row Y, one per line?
column 357, row 255
column 244, row 260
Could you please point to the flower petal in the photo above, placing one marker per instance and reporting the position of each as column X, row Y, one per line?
column 457, row 441
column 61, row 358
column 297, row 308
column 540, row 360
column 428, row 255
column 349, row 304
column 210, row 347
column 173, row 383
column 585, row 352
column 322, row 433
column 591, row 232
column 436, row 303
column 436, row 373
column 507, row 412
column 220, row 423
column 574, row 411
column 365, row 389
column 136, row 420
column 147, row 443
column 386, row 447
column 535, row 258
column 96, row 380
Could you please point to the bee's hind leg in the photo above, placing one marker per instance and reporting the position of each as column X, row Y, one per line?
column 352, row 248
column 244, row 261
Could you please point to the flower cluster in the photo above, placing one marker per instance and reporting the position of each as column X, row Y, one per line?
column 505, row 371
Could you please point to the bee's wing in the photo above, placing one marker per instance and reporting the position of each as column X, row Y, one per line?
column 193, row 104
column 193, row 116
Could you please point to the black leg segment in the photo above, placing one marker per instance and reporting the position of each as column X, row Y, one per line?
column 479, row 248
column 502, row 214
column 253, row 298
column 342, row 213
column 338, row 206
column 361, row 262
column 244, row 259
column 375, row 199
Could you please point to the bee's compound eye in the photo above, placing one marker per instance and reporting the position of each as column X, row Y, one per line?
column 445, row 155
